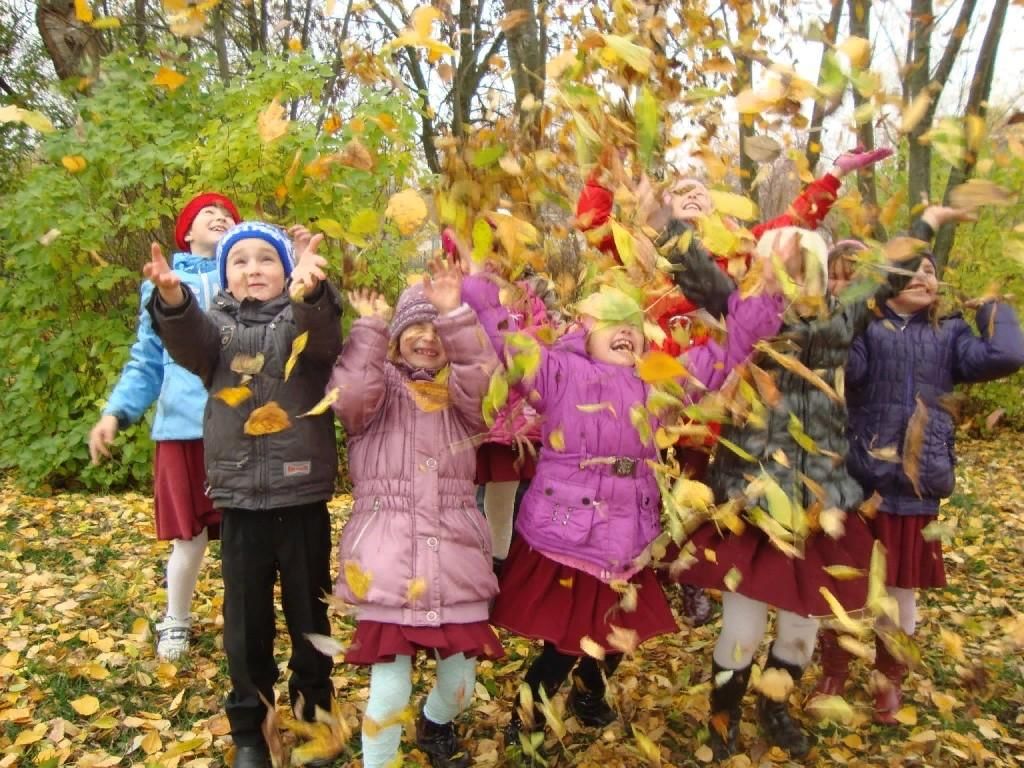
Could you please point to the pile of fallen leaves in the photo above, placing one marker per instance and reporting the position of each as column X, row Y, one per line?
column 80, row 683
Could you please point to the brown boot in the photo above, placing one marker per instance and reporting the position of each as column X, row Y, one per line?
column 835, row 665
column 888, row 684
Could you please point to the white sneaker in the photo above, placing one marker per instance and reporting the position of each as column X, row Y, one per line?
column 172, row 638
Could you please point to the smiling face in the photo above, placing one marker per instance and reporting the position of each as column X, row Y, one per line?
column 692, row 198
column 619, row 344
column 420, row 347
column 921, row 292
column 208, row 227
column 254, row 270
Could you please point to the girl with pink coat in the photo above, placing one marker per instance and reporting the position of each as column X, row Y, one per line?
column 415, row 555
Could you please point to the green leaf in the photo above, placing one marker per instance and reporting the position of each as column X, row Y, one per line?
column 646, row 125
column 485, row 158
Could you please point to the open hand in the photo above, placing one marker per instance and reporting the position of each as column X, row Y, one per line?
column 937, row 215
column 162, row 276
column 443, row 285
column 784, row 254
column 369, row 303
column 309, row 267
column 101, row 436
column 859, row 158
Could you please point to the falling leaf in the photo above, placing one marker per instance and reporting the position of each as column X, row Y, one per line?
column 327, row 645
column 844, row 572
column 495, row 397
column 85, row 705
column 636, row 56
column 73, row 163
column 596, row 407
column 842, row 617
column 913, row 444
column 357, row 579
column 732, row 579
column 622, row 639
column 857, row 50
column 761, row 149
column 731, row 204
column 796, row 431
column 267, row 420
column 417, row 588
column 647, row 747
column 407, row 210
column 657, row 366
column 169, row 79
column 298, row 345
column 233, row 396
column 247, row 365
column 83, row 11
column 326, row 402
column 793, row 365
column 978, row 192
column 357, row 156
column 736, row 449
column 556, row 439
column 915, row 111
column 832, row 708
column 591, row 648
column 429, row 396
column 646, row 124
column 31, row 118
column 272, row 122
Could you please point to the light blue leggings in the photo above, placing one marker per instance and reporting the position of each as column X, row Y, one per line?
column 391, row 689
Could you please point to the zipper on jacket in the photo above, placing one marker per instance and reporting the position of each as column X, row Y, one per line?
column 366, row 525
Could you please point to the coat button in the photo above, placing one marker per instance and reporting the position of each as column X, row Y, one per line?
column 431, row 616
column 431, row 463
column 432, row 542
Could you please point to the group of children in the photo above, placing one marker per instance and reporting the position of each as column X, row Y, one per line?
column 868, row 363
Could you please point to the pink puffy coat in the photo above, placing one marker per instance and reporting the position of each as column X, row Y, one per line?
column 415, row 528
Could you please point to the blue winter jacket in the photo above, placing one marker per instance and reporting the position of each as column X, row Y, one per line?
column 151, row 375
column 894, row 362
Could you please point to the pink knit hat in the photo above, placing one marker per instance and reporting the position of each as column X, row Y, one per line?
column 413, row 307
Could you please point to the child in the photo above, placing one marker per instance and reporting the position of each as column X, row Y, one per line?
column 415, row 554
column 898, row 373
column 593, row 508
column 799, row 446
column 271, row 468
column 184, row 513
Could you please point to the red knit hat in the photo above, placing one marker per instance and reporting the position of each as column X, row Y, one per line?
column 191, row 210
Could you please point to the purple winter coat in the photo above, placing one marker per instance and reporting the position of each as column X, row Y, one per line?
column 606, row 513
column 895, row 361
column 414, row 525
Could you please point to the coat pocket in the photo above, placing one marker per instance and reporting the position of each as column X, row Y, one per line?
column 475, row 520
column 568, row 509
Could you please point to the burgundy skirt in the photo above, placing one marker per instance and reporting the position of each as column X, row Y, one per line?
column 496, row 463
column 179, row 491
column 544, row 600
column 770, row 576
column 911, row 561
column 378, row 641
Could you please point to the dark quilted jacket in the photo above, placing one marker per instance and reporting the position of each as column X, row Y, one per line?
column 894, row 362
column 822, row 345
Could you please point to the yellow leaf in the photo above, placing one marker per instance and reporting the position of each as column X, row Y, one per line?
column 944, row 703
column 622, row 639
column 297, row 348
column 417, row 587
column 267, row 420
column 151, row 743
column 407, row 210
column 294, row 45
column 73, row 163
column 168, row 78
column 247, row 365
column 556, row 439
column 429, row 396
column 625, row 243
column 844, row 572
column 31, row 736
column 952, row 643
column 907, row 715
column 732, row 579
column 357, row 579
column 775, row 683
column 106, row 22
column 272, row 123
column 977, row 192
column 83, row 11
column 915, row 111
column 657, row 366
column 596, row 407
column 647, row 747
column 731, row 204
column 592, row 648
column 843, row 618
column 636, row 56
column 233, row 396
column 332, row 124
column 31, row 118
column 86, row 705
column 832, row 708
column 857, row 50
column 328, row 400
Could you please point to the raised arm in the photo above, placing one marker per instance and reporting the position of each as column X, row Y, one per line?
column 695, row 272
column 472, row 360
column 998, row 352
column 188, row 333
column 358, row 373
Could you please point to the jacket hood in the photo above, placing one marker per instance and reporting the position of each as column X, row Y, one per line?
column 190, row 262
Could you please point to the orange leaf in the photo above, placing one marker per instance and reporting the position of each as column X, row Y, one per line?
column 266, row 420
column 169, row 79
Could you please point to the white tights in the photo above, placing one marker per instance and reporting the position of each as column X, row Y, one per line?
column 499, row 505
column 906, row 602
column 182, row 574
column 744, row 622
column 390, row 691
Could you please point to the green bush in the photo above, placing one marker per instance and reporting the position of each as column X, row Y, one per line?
column 69, row 299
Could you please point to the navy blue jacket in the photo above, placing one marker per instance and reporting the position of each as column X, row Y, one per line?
column 894, row 362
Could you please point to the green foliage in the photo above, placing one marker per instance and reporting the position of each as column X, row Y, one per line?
column 69, row 300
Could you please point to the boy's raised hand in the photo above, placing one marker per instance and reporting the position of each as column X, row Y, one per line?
column 159, row 272
column 309, row 265
column 443, row 285
column 369, row 303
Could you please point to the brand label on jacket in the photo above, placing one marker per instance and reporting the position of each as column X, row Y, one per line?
column 297, row 468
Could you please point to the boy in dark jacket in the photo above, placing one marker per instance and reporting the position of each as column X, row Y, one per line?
column 270, row 469
column 902, row 444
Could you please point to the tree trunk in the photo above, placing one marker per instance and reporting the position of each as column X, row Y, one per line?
column 527, row 58
column 813, row 151
column 919, row 156
column 977, row 106
column 140, row 24
column 73, row 47
column 220, row 43
column 744, row 79
column 860, row 25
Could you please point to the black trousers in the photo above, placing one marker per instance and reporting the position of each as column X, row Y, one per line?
column 257, row 547
column 552, row 668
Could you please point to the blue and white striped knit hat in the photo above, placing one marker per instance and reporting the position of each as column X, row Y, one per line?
column 261, row 231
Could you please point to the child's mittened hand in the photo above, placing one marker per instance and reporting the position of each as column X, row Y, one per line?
column 309, row 268
column 369, row 303
column 159, row 272
column 859, row 158
column 443, row 285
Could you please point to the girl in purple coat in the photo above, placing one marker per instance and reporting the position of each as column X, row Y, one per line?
column 415, row 554
column 898, row 372
column 592, row 511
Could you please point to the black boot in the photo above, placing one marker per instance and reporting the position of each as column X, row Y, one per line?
column 251, row 756
column 497, row 565
column 589, row 706
column 779, row 726
column 441, row 744
column 726, row 710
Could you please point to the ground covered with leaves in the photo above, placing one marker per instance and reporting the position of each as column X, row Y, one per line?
column 80, row 683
